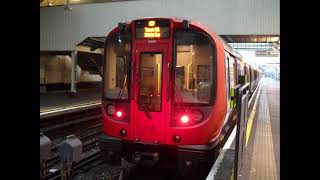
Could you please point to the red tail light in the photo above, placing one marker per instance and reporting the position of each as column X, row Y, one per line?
column 188, row 117
column 118, row 113
column 184, row 119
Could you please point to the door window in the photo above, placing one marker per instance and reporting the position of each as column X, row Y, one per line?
column 150, row 73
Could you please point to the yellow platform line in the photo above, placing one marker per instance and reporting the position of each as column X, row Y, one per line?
column 232, row 174
column 66, row 107
column 251, row 117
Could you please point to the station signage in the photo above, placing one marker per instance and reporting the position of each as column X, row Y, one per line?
column 266, row 53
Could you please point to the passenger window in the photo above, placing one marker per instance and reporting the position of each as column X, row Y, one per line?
column 227, row 77
column 232, row 69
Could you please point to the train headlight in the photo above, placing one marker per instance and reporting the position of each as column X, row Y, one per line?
column 197, row 115
column 111, row 109
column 187, row 117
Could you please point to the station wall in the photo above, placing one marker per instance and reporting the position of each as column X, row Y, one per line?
column 62, row 30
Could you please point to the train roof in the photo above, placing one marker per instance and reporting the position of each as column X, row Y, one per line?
column 229, row 49
column 226, row 46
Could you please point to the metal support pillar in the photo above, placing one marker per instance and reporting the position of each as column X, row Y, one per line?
column 73, row 89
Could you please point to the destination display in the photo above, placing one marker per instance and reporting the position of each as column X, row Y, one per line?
column 152, row 29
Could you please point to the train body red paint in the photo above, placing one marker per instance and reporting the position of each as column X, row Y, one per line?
column 167, row 86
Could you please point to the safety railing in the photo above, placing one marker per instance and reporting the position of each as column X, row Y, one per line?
column 242, row 109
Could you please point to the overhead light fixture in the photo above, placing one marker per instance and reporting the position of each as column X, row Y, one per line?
column 50, row 3
column 274, row 39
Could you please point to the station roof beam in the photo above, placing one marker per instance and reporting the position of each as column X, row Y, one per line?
column 51, row 3
column 90, row 54
column 253, row 42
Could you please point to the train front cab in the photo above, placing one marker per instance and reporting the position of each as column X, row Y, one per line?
column 160, row 93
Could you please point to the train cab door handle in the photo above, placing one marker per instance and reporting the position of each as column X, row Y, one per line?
column 168, row 81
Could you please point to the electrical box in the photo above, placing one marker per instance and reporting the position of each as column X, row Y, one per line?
column 45, row 147
column 71, row 149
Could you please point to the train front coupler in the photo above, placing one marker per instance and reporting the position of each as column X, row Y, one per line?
column 145, row 158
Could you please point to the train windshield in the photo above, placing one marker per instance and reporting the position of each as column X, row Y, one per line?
column 116, row 68
column 194, row 68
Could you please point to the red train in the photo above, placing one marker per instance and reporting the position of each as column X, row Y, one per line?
column 167, row 92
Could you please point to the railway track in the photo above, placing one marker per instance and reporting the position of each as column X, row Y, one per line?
column 85, row 124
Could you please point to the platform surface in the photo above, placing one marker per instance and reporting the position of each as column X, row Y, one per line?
column 262, row 157
column 54, row 100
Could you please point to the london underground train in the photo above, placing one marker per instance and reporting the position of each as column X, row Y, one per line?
column 167, row 93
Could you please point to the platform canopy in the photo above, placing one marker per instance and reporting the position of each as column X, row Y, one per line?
column 93, row 43
column 251, row 38
column 253, row 41
column 90, row 54
column 51, row 3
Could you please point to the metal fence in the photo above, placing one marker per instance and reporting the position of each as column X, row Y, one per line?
column 242, row 108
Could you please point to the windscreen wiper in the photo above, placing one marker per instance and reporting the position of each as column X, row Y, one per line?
column 179, row 97
column 123, row 86
column 122, row 89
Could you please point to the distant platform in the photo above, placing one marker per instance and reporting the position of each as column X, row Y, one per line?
column 62, row 99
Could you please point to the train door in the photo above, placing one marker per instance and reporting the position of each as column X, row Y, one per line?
column 149, row 112
column 230, row 82
column 233, row 79
column 232, row 72
column 227, row 84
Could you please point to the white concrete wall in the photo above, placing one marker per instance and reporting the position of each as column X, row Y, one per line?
column 61, row 30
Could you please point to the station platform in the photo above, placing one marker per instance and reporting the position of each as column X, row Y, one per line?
column 59, row 100
column 261, row 157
